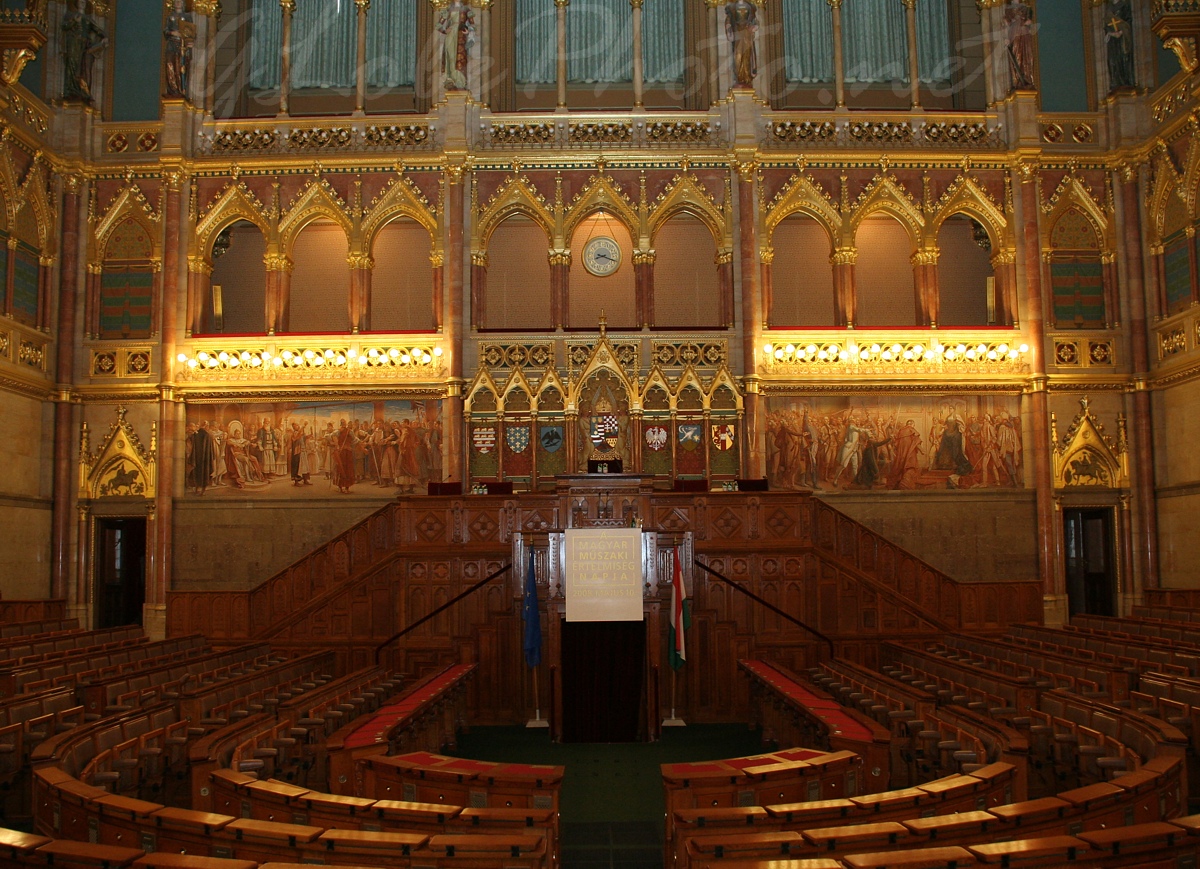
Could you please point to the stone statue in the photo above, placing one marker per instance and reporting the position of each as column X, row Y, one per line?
column 180, row 35
column 741, row 25
column 1019, row 19
column 82, row 40
column 457, row 26
column 1118, row 39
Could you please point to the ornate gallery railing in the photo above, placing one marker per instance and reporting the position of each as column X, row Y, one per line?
column 866, row 352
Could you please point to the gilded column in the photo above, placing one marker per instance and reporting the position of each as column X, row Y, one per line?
column 914, row 65
column 643, row 281
column 452, row 326
column 844, row 302
column 206, row 39
column 1049, row 519
column 279, row 273
column 561, row 42
column 159, row 580
column 1112, row 297
column 1004, row 270
column 1160, row 279
column 199, row 287
column 285, row 61
column 725, row 286
column 361, row 266
column 925, row 280
column 91, row 299
column 1145, row 506
column 45, row 290
column 560, row 285
column 753, row 464
column 839, row 64
column 766, row 260
column 68, row 296
column 479, row 270
column 360, row 76
column 437, row 260
column 637, row 53
column 9, row 271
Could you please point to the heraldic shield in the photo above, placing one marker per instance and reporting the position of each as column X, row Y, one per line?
column 551, row 438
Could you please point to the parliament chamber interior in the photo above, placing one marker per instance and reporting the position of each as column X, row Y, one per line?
column 600, row 433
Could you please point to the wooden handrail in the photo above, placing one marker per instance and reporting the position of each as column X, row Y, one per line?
column 379, row 649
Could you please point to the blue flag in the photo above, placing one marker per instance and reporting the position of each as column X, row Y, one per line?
column 533, row 624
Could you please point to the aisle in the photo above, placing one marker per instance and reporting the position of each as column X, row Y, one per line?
column 612, row 800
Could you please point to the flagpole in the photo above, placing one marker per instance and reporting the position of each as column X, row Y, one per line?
column 673, row 721
column 536, row 720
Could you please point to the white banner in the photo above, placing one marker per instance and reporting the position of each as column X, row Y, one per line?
column 603, row 568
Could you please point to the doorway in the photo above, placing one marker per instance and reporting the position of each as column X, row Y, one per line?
column 603, row 666
column 120, row 570
column 1090, row 561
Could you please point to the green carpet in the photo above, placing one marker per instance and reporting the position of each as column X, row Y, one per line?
column 612, row 797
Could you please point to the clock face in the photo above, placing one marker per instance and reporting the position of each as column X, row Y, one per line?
column 601, row 256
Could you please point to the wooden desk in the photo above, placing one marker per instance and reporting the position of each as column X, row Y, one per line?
column 1007, row 853
column 920, row 858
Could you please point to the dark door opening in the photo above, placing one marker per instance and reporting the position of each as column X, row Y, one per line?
column 1090, row 561
column 602, row 677
column 120, row 571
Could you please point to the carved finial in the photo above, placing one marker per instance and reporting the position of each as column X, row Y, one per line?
column 516, row 166
column 1122, row 442
column 153, row 437
column 603, row 324
column 684, row 163
column 235, row 171
column 1083, row 404
column 121, row 415
column 84, row 440
column 1054, row 431
column 601, row 163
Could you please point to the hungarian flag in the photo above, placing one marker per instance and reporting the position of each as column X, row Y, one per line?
column 532, row 641
column 681, row 618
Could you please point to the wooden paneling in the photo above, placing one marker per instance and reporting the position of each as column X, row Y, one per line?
column 793, row 551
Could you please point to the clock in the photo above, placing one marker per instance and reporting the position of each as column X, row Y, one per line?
column 601, row 256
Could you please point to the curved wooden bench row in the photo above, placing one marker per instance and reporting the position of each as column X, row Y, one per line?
column 36, row 628
column 1015, row 686
column 1097, row 808
column 426, row 716
column 39, row 671
column 424, row 777
column 1108, row 647
column 235, row 793
column 18, row 648
column 1163, row 612
column 1158, row 845
column 1155, row 633
column 1057, row 670
column 988, row 787
column 68, row 809
column 795, row 712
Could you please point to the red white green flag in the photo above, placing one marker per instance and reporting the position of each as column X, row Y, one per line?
column 681, row 618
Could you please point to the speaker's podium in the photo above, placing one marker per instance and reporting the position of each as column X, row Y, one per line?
column 605, row 466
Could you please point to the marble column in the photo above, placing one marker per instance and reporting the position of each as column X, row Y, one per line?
column 68, row 295
column 766, row 260
column 753, row 460
column 479, row 273
column 638, row 74
column 560, row 285
column 1004, row 271
column 198, row 289
column 159, row 577
column 643, row 279
column 925, row 282
column 561, row 52
column 1145, row 506
column 844, row 303
column 914, row 66
column 285, row 61
column 1049, row 519
column 279, row 272
column 452, row 327
column 839, row 63
column 361, row 269
column 360, row 66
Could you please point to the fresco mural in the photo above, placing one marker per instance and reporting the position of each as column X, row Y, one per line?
column 313, row 449
column 880, row 442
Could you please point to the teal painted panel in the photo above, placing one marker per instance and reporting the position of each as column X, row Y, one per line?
column 1168, row 63
column 31, row 76
column 1062, row 67
column 137, row 60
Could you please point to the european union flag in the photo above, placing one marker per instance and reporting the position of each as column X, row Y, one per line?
column 533, row 623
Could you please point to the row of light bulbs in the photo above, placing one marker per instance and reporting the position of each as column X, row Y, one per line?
column 854, row 352
column 265, row 359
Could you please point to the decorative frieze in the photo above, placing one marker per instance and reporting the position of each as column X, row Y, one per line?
column 1078, row 352
column 893, row 354
column 209, row 362
column 122, row 362
column 950, row 133
column 676, row 354
column 517, row 355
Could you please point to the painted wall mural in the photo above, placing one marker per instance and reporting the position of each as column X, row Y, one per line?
column 880, row 443
column 313, row 449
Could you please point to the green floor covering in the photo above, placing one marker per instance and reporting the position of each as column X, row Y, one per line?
column 612, row 796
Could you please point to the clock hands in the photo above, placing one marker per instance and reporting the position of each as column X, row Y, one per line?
column 603, row 255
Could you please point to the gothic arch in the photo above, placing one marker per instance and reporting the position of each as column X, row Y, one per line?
column 802, row 195
column 516, row 196
column 318, row 200
column 965, row 196
column 129, row 204
column 601, row 194
column 235, row 203
column 1072, row 193
column 885, row 195
column 684, row 195
column 399, row 199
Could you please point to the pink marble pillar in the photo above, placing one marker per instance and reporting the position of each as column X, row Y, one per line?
column 753, row 460
column 62, row 518
column 453, row 325
column 1145, row 505
column 643, row 281
column 844, row 305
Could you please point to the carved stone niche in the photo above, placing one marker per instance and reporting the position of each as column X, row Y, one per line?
column 1086, row 457
column 122, row 467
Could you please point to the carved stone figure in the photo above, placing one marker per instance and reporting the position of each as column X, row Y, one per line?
column 180, row 35
column 82, row 40
column 457, row 26
column 1118, row 39
column 741, row 25
column 1019, row 20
